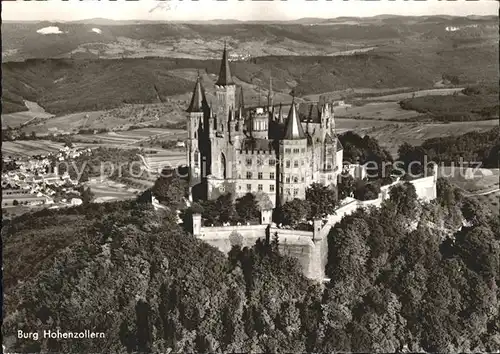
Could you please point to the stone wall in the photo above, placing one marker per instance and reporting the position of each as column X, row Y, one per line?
column 310, row 248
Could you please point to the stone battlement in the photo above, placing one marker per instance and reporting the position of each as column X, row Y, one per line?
column 310, row 248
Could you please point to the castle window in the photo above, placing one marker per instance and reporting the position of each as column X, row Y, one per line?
column 259, row 187
column 295, row 191
column 296, row 164
column 288, row 191
column 272, row 162
column 295, row 179
column 259, row 175
column 329, row 177
column 195, row 135
column 239, row 188
column 282, row 178
column 302, row 179
column 271, row 188
column 271, row 175
column 287, row 163
column 249, row 162
column 222, row 128
column 249, row 175
column 288, row 180
column 296, row 151
column 249, row 187
column 259, row 162
column 287, row 151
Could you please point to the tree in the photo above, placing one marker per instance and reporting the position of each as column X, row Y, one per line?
column 170, row 190
column 322, row 200
column 263, row 201
column 15, row 202
column 473, row 211
column 404, row 197
column 210, row 212
column 33, row 135
column 345, row 186
column 366, row 190
column 247, row 207
column 224, row 204
column 294, row 212
column 87, row 195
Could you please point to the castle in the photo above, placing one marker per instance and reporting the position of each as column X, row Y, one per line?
column 259, row 149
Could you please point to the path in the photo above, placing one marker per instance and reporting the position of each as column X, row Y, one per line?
column 482, row 193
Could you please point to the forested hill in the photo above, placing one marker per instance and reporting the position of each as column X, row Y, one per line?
column 473, row 147
column 124, row 269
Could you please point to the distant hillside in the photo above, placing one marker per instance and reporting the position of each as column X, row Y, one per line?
column 309, row 36
column 63, row 85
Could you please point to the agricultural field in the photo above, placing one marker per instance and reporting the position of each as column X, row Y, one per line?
column 165, row 159
column 33, row 113
column 421, row 93
column 391, row 135
column 131, row 137
column 29, row 147
column 376, row 110
column 483, row 181
column 108, row 190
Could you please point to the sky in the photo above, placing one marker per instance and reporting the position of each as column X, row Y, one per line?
column 180, row 10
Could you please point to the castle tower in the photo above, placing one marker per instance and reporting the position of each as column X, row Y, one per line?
column 226, row 93
column 260, row 124
column 235, row 131
column 293, row 159
column 197, row 147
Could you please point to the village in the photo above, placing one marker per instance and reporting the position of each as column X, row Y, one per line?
column 35, row 180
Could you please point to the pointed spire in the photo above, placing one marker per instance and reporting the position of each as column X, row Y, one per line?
column 225, row 77
column 198, row 100
column 293, row 129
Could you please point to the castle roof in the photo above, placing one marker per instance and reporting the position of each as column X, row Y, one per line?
column 339, row 145
column 293, row 128
column 198, row 100
column 328, row 139
column 225, row 77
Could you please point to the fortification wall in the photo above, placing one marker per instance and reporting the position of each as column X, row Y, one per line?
column 309, row 248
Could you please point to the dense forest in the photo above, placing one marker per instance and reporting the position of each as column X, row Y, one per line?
column 404, row 276
column 473, row 147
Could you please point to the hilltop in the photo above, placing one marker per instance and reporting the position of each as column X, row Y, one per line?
column 403, row 278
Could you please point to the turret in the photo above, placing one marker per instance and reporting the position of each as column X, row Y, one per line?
column 293, row 158
column 196, row 113
column 225, row 90
column 234, row 128
column 260, row 124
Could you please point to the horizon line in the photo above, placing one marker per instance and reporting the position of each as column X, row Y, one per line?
column 243, row 20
